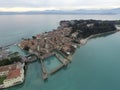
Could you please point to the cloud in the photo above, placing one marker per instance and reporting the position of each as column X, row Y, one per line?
column 24, row 9
column 57, row 4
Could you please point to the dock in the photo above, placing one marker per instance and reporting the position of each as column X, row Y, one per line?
column 44, row 71
column 66, row 57
column 64, row 61
column 69, row 58
column 56, row 69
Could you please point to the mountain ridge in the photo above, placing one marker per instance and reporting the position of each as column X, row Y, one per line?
column 77, row 11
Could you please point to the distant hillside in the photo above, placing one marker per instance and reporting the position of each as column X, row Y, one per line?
column 80, row 11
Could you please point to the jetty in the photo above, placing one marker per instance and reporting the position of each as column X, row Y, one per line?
column 44, row 71
column 69, row 58
column 57, row 69
column 64, row 61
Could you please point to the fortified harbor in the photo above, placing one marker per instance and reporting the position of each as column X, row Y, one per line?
column 63, row 41
column 60, row 43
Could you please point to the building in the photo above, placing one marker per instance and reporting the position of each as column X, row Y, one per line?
column 14, row 74
column 4, row 70
column 14, row 77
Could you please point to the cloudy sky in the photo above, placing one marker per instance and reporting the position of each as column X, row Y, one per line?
column 31, row 5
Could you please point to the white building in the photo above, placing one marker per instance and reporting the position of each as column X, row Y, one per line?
column 14, row 74
column 14, row 77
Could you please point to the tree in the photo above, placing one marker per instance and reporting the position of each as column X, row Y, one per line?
column 34, row 37
column 26, row 48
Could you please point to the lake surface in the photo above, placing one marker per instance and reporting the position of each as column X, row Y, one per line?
column 95, row 66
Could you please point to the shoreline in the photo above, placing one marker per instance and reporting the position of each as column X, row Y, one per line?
column 84, row 41
column 42, row 45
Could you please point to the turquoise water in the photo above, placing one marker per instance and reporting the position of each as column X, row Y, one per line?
column 15, row 48
column 95, row 66
column 52, row 63
column 15, row 27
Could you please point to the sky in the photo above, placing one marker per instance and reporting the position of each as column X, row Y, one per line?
column 40, row 5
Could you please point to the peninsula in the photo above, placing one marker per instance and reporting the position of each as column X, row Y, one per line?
column 65, row 39
column 60, row 43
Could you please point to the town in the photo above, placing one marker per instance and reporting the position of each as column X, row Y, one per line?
column 60, row 43
column 65, row 39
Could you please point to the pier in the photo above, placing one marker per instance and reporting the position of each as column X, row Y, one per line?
column 69, row 58
column 66, row 57
column 56, row 69
column 64, row 61
column 44, row 71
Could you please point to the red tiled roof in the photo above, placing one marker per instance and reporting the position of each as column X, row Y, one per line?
column 3, row 69
column 8, row 67
column 13, row 74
